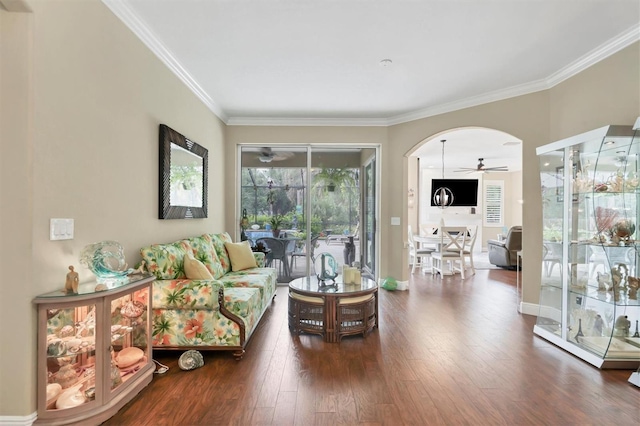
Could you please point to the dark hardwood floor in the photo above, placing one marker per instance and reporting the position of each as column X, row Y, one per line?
column 446, row 352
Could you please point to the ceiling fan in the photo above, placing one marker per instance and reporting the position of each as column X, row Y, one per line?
column 481, row 168
column 267, row 155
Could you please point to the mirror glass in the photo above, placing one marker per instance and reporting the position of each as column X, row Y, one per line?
column 183, row 176
column 186, row 177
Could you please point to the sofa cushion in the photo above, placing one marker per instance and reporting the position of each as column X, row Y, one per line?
column 165, row 261
column 264, row 279
column 204, row 251
column 194, row 269
column 218, row 241
column 244, row 302
column 241, row 256
column 188, row 327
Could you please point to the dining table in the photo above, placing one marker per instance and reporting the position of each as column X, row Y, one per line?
column 431, row 241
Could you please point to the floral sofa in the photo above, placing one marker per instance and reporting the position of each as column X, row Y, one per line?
column 206, row 314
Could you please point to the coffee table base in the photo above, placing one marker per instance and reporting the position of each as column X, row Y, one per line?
column 333, row 316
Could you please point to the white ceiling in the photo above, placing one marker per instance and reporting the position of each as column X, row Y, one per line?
column 318, row 62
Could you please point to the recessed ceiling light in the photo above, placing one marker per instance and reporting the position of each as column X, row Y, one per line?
column 386, row 62
column 511, row 143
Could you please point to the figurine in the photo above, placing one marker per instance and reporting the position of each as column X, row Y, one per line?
column 622, row 326
column 71, row 285
column 603, row 281
column 140, row 269
column 634, row 284
column 598, row 325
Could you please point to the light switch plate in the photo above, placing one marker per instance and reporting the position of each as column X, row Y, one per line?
column 61, row 229
column 395, row 221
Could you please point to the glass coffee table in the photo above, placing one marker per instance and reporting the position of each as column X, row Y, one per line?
column 332, row 309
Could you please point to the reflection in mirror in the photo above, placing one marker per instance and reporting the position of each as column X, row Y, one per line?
column 183, row 176
column 186, row 177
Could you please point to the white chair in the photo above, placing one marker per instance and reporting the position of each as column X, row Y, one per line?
column 428, row 229
column 450, row 250
column 417, row 254
column 469, row 244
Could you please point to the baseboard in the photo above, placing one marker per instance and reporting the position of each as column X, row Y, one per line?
column 18, row 420
column 529, row 308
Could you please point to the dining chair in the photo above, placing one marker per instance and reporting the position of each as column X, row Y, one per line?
column 450, row 250
column 278, row 249
column 417, row 254
column 469, row 244
column 428, row 229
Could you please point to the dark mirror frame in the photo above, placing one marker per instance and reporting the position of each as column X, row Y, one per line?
column 169, row 136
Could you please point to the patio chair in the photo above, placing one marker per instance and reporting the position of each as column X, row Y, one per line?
column 278, row 252
column 303, row 253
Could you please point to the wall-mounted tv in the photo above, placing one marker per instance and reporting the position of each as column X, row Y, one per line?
column 465, row 191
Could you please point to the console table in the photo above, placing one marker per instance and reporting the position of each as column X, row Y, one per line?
column 332, row 310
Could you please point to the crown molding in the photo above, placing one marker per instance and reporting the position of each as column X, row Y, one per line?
column 135, row 24
column 613, row 46
column 310, row 121
column 131, row 20
column 485, row 98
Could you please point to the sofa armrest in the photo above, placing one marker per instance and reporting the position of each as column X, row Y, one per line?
column 186, row 294
column 260, row 258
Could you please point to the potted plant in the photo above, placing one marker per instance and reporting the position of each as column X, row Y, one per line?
column 276, row 221
column 244, row 224
column 333, row 177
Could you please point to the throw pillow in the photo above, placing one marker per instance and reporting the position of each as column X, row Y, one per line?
column 194, row 269
column 241, row 256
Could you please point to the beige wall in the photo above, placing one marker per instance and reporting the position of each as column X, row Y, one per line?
column 16, row 198
column 81, row 101
column 98, row 97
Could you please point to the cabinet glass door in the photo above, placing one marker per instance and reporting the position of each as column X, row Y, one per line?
column 128, row 342
column 71, row 351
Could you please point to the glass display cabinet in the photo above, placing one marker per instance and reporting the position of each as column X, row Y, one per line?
column 94, row 349
column 590, row 269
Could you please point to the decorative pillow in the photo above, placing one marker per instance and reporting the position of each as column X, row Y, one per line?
column 165, row 260
column 218, row 241
column 194, row 269
column 204, row 251
column 241, row 256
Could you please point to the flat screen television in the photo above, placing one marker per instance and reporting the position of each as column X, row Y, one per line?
column 465, row 191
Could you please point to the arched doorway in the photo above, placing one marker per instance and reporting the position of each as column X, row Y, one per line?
column 484, row 161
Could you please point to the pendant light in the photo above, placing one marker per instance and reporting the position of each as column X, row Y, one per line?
column 443, row 196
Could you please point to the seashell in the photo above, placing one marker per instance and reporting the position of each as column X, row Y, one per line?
column 72, row 397
column 132, row 309
column 190, row 360
column 115, row 328
column 115, row 337
column 56, row 348
column 66, row 331
column 53, row 390
column 129, row 356
column 66, row 376
column 90, row 393
column 101, row 287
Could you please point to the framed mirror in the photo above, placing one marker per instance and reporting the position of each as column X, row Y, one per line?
column 183, row 176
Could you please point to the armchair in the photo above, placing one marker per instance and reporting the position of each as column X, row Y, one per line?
column 504, row 253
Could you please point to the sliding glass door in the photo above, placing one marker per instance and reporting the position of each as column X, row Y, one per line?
column 314, row 199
